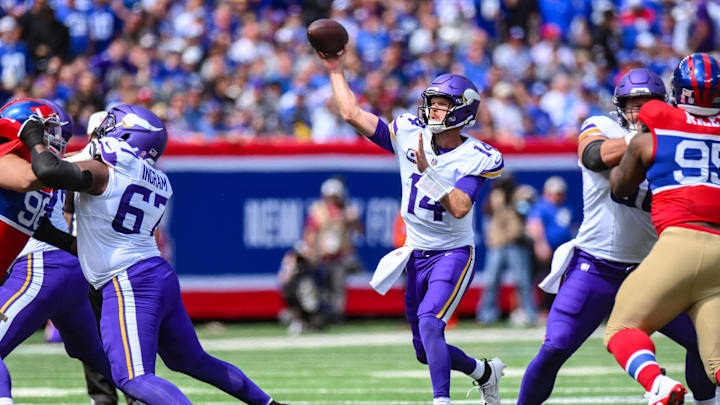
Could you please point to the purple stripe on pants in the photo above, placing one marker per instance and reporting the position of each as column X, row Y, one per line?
column 436, row 282
column 51, row 287
column 153, row 321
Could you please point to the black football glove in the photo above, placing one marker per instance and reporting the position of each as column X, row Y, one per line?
column 32, row 132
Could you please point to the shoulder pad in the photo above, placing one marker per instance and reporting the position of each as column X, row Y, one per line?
column 598, row 125
column 405, row 122
column 114, row 152
column 486, row 161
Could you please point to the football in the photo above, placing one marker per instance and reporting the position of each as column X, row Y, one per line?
column 327, row 36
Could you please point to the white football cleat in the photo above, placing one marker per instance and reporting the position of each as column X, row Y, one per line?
column 666, row 391
column 491, row 388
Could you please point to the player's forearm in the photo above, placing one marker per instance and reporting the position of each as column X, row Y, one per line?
column 349, row 106
column 56, row 173
column 457, row 203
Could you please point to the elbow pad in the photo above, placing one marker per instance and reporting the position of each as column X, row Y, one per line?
column 55, row 173
column 592, row 158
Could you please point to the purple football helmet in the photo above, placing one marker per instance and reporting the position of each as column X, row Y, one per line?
column 139, row 127
column 464, row 102
column 639, row 82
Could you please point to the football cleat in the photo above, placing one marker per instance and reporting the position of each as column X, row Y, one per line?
column 666, row 391
column 491, row 388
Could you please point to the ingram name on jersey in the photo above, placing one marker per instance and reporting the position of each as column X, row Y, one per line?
column 428, row 225
column 613, row 228
column 115, row 229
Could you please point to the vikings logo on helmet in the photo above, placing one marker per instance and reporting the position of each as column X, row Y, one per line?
column 139, row 127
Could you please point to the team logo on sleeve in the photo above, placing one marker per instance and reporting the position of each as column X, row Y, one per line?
column 434, row 162
column 410, row 155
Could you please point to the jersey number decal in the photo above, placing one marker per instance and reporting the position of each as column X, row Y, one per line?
column 436, row 208
column 36, row 204
column 125, row 208
column 707, row 155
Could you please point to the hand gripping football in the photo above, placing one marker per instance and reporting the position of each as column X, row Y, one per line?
column 327, row 36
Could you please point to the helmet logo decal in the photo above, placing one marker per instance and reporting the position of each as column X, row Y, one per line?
column 131, row 120
column 471, row 95
column 686, row 97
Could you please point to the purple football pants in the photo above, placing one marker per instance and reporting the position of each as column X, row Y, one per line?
column 142, row 316
column 436, row 282
column 585, row 299
column 49, row 285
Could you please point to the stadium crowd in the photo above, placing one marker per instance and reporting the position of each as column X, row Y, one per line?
column 241, row 69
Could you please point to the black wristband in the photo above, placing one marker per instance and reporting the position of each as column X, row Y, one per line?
column 46, row 232
column 56, row 173
column 592, row 158
column 32, row 133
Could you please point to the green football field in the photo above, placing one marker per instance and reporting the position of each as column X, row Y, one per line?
column 358, row 363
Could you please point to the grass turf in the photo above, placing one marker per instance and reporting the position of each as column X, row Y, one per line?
column 358, row 363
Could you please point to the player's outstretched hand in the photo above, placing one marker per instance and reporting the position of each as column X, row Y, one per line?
column 332, row 62
column 420, row 157
column 31, row 132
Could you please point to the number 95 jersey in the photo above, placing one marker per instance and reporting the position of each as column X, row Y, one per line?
column 115, row 228
column 429, row 226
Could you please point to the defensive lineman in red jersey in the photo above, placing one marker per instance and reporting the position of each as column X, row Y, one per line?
column 679, row 153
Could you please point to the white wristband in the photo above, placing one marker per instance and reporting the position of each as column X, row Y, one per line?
column 630, row 136
column 433, row 185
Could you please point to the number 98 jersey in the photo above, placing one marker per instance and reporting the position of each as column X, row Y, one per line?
column 115, row 228
column 685, row 175
column 429, row 226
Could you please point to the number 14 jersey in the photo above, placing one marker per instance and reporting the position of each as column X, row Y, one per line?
column 115, row 228
column 429, row 226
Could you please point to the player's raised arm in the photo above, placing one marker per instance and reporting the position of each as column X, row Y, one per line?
column 365, row 122
column 88, row 176
column 627, row 176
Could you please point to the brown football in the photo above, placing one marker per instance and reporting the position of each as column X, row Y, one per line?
column 327, row 36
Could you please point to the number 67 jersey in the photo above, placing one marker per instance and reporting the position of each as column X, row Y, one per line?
column 429, row 226
column 685, row 175
column 116, row 228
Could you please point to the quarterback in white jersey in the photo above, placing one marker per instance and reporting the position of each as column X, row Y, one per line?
column 614, row 237
column 441, row 172
column 121, row 199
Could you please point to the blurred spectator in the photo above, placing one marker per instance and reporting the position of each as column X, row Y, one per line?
column 298, row 279
column 45, row 36
column 15, row 61
column 327, row 124
column 548, row 223
column 549, row 226
column 508, row 250
column 231, row 52
column 328, row 233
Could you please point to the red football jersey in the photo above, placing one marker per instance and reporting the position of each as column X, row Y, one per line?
column 685, row 175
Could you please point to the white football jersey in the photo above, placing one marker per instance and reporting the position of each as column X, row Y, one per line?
column 115, row 229
column 51, row 204
column 617, row 229
column 429, row 226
